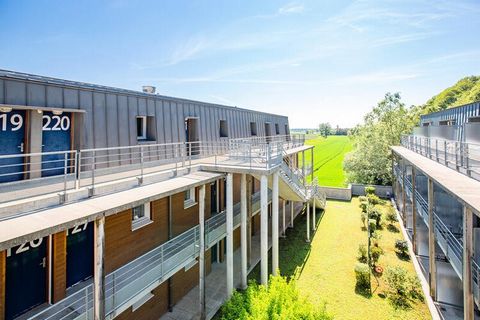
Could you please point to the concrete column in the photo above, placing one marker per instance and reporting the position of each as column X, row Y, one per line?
column 229, row 234
column 303, row 165
column 264, row 229
column 243, row 229
column 291, row 213
column 284, row 226
column 314, row 222
column 468, row 306
column 201, row 257
column 249, row 219
column 431, row 242
column 99, row 270
column 308, row 221
column 414, row 212
column 35, row 143
column 275, row 217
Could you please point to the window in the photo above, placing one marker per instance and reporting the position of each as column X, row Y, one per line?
column 286, row 129
column 473, row 119
column 277, row 128
column 253, row 128
column 141, row 216
column 223, row 129
column 141, row 128
column 189, row 198
column 450, row 122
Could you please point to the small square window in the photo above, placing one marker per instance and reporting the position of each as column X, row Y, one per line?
column 141, row 128
column 253, row 128
column 141, row 216
column 189, row 198
column 223, row 129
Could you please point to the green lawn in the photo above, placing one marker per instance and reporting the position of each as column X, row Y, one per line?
column 328, row 159
column 324, row 269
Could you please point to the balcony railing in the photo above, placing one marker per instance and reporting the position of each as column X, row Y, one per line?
column 146, row 272
column 54, row 172
column 461, row 156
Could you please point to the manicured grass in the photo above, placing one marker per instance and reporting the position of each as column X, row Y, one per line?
column 328, row 159
column 324, row 268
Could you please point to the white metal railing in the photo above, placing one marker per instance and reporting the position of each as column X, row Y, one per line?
column 462, row 156
column 52, row 172
column 126, row 282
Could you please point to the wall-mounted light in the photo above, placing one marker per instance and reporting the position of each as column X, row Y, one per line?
column 39, row 111
column 5, row 109
column 57, row 112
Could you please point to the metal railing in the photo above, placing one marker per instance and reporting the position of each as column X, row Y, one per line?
column 51, row 172
column 157, row 265
column 462, row 156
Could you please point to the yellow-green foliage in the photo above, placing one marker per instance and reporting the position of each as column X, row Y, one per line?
column 280, row 301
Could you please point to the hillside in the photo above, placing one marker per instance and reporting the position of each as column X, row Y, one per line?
column 465, row 91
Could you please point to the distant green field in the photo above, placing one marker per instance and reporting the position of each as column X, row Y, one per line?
column 328, row 159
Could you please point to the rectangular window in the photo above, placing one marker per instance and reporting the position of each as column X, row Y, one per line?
column 286, row 129
column 450, row 122
column 223, row 129
column 473, row 119
column 141, row 216
column 253, row 128
column 189, row 198
column 277, row 128
column 141, row 128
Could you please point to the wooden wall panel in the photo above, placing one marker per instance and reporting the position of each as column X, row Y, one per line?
column 184, row 281
column 3, row 271
column 183, row 219
column 152, row 309
column 59, row 266
column 123, row 245
column 236, row 239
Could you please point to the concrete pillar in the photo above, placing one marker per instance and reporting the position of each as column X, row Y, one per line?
column 284, row 225
column 201, row 257
column 468, row 306
column 229, row 234
column 243, row 229
column 249, row 219
column 99, row 270
column 275, row 205
column 303, row 166
column 431, row 242
column 414, row 212
column 264, row 229
column 291, row 213
column 308, row 222
column 314, row 222
column 35, row 143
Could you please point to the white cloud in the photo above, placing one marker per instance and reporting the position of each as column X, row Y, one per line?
column 291, row 8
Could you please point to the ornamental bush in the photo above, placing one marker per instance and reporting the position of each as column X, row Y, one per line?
column 369, row 190
column 362, row 274
column 403, row 289
column 375, row 253
column 281, row 300
column 362, row 253
column 373, row 199
column 391, row 215
column 402, row 247
column 377, row 216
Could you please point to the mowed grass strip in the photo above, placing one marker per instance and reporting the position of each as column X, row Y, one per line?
column 328, row 159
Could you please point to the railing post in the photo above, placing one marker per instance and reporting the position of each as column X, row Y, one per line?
column 436, row 149
column 78, row 169
column 456, row 155
column 141, row 165
column 93, row 171
column 466, row 151
column 65, row 171
column 445, row 152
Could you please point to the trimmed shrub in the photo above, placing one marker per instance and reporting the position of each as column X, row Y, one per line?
column 391, row 215
column 402, row 247
column 369, row 190
column 363, row 206
column 403, row 288
column 375, row 253
column 281, row 300
column 363, row 216
column 373, row 199
column 372, row 223
column 363, row 199
column 362, row 253
column 377, row 215
column 362, row 274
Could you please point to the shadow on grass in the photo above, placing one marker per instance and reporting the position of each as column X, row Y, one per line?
column 294, row 250
column 393, row 228
column 364, row 292
column 403, row 256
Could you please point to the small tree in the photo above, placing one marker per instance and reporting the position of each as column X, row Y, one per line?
column 391, row 215
column 362, row 274
column 375, row 253
column 369, row 190
column 402, row 247
column 362, row 253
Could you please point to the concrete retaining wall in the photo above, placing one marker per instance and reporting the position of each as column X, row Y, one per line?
column 355, row 189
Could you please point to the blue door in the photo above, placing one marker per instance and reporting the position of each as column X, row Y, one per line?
column 79, row 253
column 56, row 136
column 12, row 139
column 25, row 277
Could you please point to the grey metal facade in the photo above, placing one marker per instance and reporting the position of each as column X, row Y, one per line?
column 110, row 113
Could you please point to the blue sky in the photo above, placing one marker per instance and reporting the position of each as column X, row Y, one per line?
column 314, row 61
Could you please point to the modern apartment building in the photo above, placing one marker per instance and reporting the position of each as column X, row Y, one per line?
column 121, row 204
column 437, row 190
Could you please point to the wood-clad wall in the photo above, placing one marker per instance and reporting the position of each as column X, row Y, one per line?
column 59, row 266
column 152, row 309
